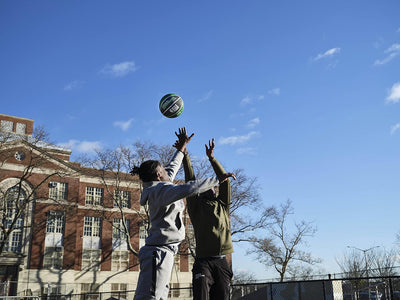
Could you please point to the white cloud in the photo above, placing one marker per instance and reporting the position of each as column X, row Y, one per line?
column 82, row 146
column 238, row 139
column 247, row 151
column 249, row 100
column 253, row 123
column 73, row 85
column 394, row 128
column 394, row 94
column 392, row 52
column 275, row 91
column 119, row 70
column 246, row 100
column 328, row 53
column 124, row 125
column 206, row 96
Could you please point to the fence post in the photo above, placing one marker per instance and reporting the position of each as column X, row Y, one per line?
column 391, row 288
column 299, row 289
column 270, row 290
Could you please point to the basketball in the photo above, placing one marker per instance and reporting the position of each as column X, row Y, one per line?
column 171, row 105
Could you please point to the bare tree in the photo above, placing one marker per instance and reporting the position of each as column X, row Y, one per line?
column 247, row 211
column 376, row 262
column 385, row 262
column 243, row 277
column 282, row 247
column 246, row 216
column 111, row 167
column 22, row 157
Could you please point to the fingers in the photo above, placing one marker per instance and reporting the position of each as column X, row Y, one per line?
column 232, row 175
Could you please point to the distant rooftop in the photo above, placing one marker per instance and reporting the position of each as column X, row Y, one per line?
column 16, row 125
column 15, row 128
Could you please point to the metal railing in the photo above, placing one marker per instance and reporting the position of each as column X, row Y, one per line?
column 372, row 288
column 19, row 297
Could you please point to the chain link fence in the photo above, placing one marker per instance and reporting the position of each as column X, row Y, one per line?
column 373, row 288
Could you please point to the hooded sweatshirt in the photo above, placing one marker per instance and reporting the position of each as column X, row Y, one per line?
column 210, row 215
column 164, row 199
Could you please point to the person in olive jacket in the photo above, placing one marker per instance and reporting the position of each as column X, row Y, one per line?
column 210, row 216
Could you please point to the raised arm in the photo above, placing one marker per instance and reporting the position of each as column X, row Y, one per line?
column 181, row 145
column 225, row 185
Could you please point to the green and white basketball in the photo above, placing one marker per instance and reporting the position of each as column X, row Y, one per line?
column 171, row 105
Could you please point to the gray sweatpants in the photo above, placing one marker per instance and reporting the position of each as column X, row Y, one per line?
column 156, row 264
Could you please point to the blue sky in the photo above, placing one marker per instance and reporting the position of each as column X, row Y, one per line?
column 303, row 95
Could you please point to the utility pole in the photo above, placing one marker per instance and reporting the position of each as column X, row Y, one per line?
column 366, row 263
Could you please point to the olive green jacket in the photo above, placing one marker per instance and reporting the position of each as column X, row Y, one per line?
column 210, row 215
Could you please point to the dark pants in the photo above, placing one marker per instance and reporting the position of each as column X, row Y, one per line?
column 211, row 279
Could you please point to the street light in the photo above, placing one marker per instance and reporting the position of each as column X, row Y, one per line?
column 365, row 256
column 366, row 264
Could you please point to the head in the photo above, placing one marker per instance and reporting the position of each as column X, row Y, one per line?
column 151, row 170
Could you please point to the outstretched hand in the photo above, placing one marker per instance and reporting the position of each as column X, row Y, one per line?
column 183, row 139
column 224, row 177
column 210, row 149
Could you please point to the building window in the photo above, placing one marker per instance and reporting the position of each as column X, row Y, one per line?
column 91, row 253
column 120, row 254
column 52, row 290
column 92, row 227
column 94, row 196
column 177, row 263
column 21, row 128
column 120, row 260
column 53, row 257
column 6, row 125
column 55, row 222
column 58, row 190
column 122, row 199
column 54, row 241
column 142, row 234
column 118, row 290
column 90, row 291
column 13, row 220
column 120, row 232
column 174, row 292
column 91, row 259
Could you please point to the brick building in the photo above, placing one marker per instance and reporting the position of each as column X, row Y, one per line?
column 64, row 226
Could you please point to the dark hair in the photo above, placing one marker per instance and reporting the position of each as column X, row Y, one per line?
column 147, row 170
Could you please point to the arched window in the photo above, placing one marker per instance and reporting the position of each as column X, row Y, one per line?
column 13, row 219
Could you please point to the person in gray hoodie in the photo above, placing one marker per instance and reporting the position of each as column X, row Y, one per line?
column 164, row 200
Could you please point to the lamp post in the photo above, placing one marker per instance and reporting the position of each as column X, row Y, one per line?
column 365, row 256
column 366, row 263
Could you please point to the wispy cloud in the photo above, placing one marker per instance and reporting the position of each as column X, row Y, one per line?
column 73, row 85
column 391, row 52
column 82, row 146
column 249, row 100
column 247, row 151
column 394, row 94
column 124, row 125
column 394, row 128
column 253, row 123
column 119, row 70
column 275, row 91
column 206, row 96
column 328, row 53
column 238, row 139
